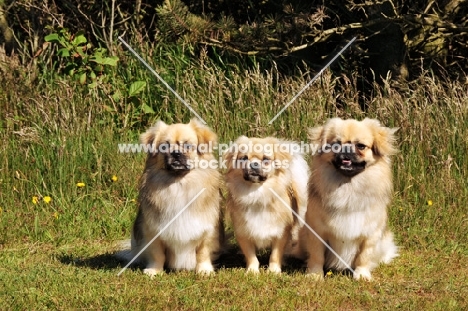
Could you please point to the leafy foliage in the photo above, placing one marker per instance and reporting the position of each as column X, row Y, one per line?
column 394, row 36
column 79, row 59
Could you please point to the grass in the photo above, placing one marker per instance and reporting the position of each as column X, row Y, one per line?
column 83, row 275
column 56, row 134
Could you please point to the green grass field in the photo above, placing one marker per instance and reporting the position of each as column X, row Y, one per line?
column 57, row 238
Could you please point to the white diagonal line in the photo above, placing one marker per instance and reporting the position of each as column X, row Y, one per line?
column 160, row 232
column 312, row 81
column 161, row 79
column 313, row 231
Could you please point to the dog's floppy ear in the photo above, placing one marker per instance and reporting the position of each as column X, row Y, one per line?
column 282, row 149
column 207, row 139
column 230, row 155
column 151, row 136
column 384, row 138
column 318, row 135
column 315, row 134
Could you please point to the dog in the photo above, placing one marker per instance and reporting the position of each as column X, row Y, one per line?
column 179, row 200
column 265, row 183
column 350, row 187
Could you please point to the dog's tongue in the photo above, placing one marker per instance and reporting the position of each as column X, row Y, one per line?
column 346, row 162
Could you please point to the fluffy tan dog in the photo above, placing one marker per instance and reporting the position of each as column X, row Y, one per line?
column 172, row 178
column 264, row 175
column 349, row 189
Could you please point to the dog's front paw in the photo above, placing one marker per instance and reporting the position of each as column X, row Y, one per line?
column 204, row 268
column 152, row 272
column 253, row 270
column 362, row 273
column 253, row 266
column 274, row 268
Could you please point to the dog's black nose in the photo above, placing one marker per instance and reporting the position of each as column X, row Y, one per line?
column 345, row 156
column 255, row 165
column 176, row 154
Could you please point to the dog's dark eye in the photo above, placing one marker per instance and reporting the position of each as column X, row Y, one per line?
column 336, row 147
column 243, row 158
column 189, row 147
column 164, row 147
column 361, row 146
column 266, row 160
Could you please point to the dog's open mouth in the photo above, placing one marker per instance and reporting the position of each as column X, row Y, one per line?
column 178, row 167
column 178, row 164
column 254, row 176
column 348, row 167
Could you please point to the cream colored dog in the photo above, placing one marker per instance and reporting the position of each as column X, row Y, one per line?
column 170, row 181
column 350, row 188
column 265, row 181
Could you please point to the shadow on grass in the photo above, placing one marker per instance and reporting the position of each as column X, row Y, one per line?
column 230, row 259
column 107, row 261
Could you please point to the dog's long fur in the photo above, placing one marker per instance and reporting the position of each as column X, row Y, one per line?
column 348, row 197
column 171, row 179
column 259, row 218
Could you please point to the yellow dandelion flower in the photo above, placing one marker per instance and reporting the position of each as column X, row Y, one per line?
column 47, row 199
column 35, row 199
column 329, row 273
column 56, row 215
column 114, row 178
column 401, row 210
column 80, row 184
column 429, row 202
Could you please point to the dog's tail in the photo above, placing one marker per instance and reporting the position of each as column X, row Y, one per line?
column 300, row 177
column 387, row 248
column 298, row 194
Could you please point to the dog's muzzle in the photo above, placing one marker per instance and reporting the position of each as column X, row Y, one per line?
column 176, row 161
column 348, row 164
column 254, row 173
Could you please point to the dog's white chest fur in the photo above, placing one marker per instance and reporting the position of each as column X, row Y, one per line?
column 183, row 228
column 178, row 221
column 263, row 225
column 352, row 211
column 349, row 226
column 260, row 221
